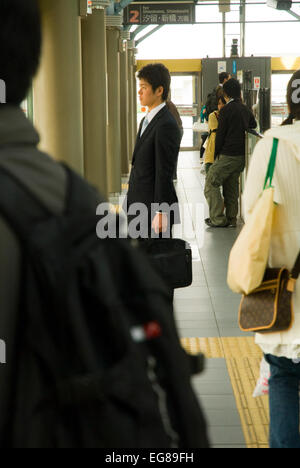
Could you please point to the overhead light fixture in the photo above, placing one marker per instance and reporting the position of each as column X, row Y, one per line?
column 280, row 4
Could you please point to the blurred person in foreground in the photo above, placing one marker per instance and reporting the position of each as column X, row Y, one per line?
column 67, row 356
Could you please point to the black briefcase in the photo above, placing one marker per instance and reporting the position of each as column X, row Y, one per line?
column 172, row 258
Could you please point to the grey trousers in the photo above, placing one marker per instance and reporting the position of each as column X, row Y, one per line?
column 225, row 172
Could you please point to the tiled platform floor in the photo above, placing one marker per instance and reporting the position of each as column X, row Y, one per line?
column 206, row 315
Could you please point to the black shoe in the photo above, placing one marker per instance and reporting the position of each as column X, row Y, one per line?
column 232, row 223
column 210, row 224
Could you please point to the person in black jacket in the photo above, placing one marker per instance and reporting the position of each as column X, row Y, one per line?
column 211, row 104
column 235, row 118
column 154, row 160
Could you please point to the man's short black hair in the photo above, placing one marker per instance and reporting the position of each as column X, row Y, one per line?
column 223, row 76
column 233, row 88
column 156, row 74
column 20, row 39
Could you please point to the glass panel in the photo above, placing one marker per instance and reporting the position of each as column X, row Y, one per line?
column 182, row 90
column 209, row 13
column 277, row 37
column 279, row 104
column 188, row 134
column 183, row 42
column 233, row 30
column 183, row 96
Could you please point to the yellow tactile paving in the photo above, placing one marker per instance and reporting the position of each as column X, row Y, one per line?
column 243, row 359
column 211, row 347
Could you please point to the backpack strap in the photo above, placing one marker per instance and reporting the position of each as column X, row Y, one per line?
column 22, row 209
column 79, row 195
column 18, row 205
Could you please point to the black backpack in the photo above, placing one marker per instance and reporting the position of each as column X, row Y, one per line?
column 98, row 361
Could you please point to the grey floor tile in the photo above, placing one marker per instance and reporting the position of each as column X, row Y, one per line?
column 218, row 254
column 212, row 268
column 182, row 315
column 228, row 322
column 213, row 374
column 222, row 417
column 197, row 268
column 216, row 280
column 232, row 332
column 228, row 435
column 231, row 303
column 218, row 402
column 193, row 304
column 198, row 292
column 221, row 291
column 212, row 364
column 226, row 312
column 213, row 388
column 199, row 281
column 200, row 333
column 197, row 324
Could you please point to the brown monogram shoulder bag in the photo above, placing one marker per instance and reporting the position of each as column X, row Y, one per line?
column 269, row 308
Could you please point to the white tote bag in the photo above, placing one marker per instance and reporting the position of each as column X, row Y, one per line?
column 249, row 255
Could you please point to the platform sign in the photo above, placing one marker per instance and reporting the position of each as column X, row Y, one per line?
column 257, row 82
column 159, row 13
column 188, row 111
column 234, row 67
column 222, row 67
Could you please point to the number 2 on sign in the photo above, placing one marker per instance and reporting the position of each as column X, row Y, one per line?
column 135, row 14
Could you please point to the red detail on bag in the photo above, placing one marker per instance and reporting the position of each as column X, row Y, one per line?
column 152, row 330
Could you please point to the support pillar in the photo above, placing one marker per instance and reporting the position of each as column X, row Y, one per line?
column 57, row 88
column 124, row 105
column 113, row 39
column 134, row 70
column 243, row 26
column 224, row 33
column 95, row 119
column 132, row 96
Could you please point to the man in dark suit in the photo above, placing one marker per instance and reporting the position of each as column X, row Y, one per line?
column 154, row 160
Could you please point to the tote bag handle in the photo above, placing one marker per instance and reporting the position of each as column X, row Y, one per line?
column 271, row 166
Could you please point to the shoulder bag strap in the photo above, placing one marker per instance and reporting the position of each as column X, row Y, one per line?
column 268, row 183
column 296, row 270
column 271, row 166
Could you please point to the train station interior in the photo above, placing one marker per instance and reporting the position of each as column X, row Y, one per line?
column 84, row 104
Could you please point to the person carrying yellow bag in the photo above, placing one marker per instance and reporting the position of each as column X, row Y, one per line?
column 282, row 349
column 213, row 123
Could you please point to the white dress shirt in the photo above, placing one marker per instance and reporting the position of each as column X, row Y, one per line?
column 150, row 115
